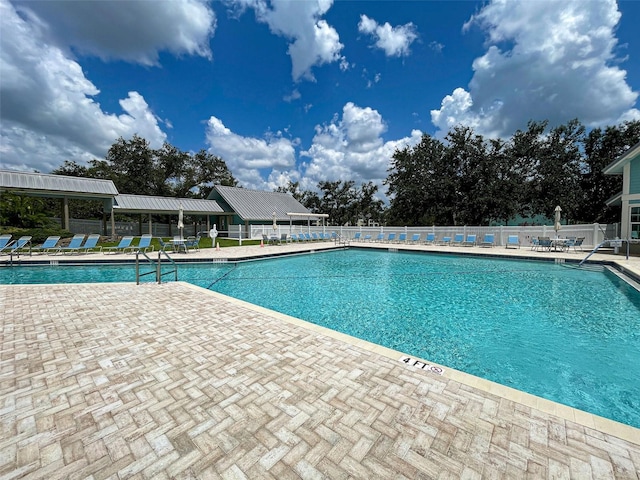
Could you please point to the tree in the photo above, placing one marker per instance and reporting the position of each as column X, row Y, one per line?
column 420, row 184
column 559, row 171
column 601, row 148
column 135, row 168
column 22, row 211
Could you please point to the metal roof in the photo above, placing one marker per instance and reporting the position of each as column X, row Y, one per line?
column 260, row 205
column 56, row 185
column 146, row 203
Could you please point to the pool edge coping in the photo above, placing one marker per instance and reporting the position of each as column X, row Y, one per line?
column 589, row 420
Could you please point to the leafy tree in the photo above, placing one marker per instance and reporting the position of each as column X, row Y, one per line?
column 23, row 211
column 559, row 171
column 421, row 184
column 135, row 168
column 602, row 147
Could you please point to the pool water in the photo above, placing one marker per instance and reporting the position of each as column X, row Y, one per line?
column 572, row 336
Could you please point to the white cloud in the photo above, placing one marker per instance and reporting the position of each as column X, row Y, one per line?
column 48, row 107
column 352, row 148
column 395, row 41
column 134, row 31
column 557, row 64
column 313, row 41
column 246, row 157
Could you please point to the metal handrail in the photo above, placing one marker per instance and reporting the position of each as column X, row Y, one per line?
column 159, row 274
column 157, row 266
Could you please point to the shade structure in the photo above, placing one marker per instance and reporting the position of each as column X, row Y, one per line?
column 556, row 223
column 181, row 220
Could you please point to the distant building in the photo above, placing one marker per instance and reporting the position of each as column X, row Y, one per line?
column 256, row 207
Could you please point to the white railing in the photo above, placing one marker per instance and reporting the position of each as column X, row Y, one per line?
column 593, row 233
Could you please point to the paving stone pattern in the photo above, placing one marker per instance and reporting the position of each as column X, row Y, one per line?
column 115, row 381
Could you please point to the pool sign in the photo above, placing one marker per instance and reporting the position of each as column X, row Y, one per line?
column 421, row 365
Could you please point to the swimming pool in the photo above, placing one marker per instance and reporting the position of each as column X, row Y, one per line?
column 572, row 336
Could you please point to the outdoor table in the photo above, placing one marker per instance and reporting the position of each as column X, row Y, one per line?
column 560, row 243
column 179, row 245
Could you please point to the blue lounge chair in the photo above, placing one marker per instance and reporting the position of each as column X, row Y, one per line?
column 402, row 238
column 415, row 238
column 380, row 237
column 356, row 237
column 19, row 245
column 74, row 244
column 470, row 241
column 431, row 239
column 367, row 238
column 4, row 241
column 458, row 239
column 391, row 237
column 144, row 244
column 123, row 246
column 307, row 237
column 90, row 244
column 513, row 241
column 48, row 245
column 445, row 241
column 489, row 240
column 315, row 237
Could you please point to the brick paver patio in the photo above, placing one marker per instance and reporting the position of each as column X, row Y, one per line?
column 114, row 381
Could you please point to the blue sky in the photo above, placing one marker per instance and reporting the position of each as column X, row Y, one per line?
column 303, row 90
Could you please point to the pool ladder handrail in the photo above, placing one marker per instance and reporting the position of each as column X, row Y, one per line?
column 340, row 240
column 157, row 266
column 601, row 244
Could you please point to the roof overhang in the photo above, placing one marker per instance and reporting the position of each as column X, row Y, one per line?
column 617, row 166
column 125, row 203
column 614, row 201
column 56, row 186
column 307, row 215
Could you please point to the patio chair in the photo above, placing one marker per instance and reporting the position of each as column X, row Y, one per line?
column 575, row 243
column 315, row 236
column 430, row 239
column 144, row 244
column 192, row 243
column 90, row 244
column 123, row 246
column 380, row 237
column 535, row 243
column 457, row 239
column 19, row 245
column 367, row 238
column 402, row 238
column 513, row 241
column 356, row 237
column 74, row 244
column 489, row 240
column 391, row 237
column 415, row 238
column 544, row 243
column 49, row 244
column 470, row 241
column 284, row 238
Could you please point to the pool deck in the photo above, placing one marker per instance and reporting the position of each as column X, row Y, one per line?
column 114, row 381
